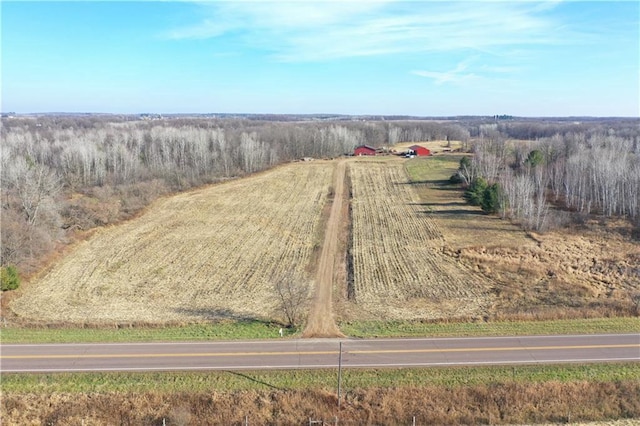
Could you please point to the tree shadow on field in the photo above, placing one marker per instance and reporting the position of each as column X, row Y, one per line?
column 437, row 183
column 455, row 212
column 245, row 376
column 214, row 314
column 444, row 204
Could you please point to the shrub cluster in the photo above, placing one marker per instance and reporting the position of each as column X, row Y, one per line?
column 9, row 278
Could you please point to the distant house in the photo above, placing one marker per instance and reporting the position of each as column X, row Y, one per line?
column 364, row 150
column 420, row 151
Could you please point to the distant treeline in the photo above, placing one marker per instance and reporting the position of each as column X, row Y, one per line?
column 66, row 173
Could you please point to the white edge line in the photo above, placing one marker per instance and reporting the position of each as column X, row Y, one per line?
column 317, row 341
column 535, row 336
column 176, row 342
column 328, row 366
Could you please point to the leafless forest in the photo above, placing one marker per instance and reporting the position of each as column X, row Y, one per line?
column 548, row 181
column 62, row 175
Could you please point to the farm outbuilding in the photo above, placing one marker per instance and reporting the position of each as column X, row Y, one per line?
column 420, row 151
column 364, row 150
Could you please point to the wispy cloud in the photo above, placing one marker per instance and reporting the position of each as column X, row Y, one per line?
column 456, row 75
column 319, row 31
column 277, row 20
column 468, row 71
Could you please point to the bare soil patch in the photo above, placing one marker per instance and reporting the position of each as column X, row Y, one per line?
column 321, row 322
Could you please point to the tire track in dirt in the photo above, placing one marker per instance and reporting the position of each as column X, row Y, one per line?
column 321, row 322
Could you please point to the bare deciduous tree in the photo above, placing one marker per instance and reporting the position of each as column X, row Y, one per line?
column 293, row 297
column 36, row 187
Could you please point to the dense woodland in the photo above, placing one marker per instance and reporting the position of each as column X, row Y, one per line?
column 63, row 174
column 546, row 182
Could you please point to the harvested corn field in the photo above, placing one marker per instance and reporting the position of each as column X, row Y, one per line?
column 209, row 253
column 415, row 251
column 399, row 268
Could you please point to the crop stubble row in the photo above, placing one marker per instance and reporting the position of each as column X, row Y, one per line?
column 400, row 270
column 214, row 252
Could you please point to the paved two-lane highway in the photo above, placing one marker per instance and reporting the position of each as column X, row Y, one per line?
column 318, row 353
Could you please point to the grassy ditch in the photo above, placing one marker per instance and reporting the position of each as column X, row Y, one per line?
column 365, row 329
column 358, row 329
column 231, row 330
column 324, row 379
column 477, row 395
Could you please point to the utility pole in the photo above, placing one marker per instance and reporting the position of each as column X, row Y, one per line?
column 339, row 375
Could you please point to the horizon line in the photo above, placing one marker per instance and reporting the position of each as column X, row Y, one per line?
column 7, row 114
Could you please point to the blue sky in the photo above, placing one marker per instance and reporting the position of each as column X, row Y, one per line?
column 549, row 58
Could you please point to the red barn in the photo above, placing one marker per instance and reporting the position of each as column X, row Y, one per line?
column 364, row 150
column 420, row 151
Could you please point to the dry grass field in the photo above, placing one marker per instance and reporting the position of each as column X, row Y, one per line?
column 204, row 254
column 506, row 403
column 585, row 270
column 400, row 269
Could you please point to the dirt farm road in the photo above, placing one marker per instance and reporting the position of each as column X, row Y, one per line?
column 321, row 322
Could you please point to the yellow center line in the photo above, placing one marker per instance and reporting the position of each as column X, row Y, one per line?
column 373, row 351
column 517, row 348
column 205, row 354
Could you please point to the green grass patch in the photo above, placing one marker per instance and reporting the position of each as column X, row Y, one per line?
column 506, row 328
column 224, row 381
column 261, row 330
column 436, row 168
column 192, row 332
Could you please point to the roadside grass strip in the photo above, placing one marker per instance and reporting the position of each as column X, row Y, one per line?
column 358, row 329
column 172, row 382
